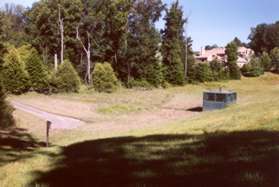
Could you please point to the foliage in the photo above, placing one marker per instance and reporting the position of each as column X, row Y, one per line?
column 139, row 84
column 172, row 45
column 38, row 72
column 203, row 73
column 218, row 70
column 15, row 77
column 154, row 74
column 265, row 61
column 104, row 79
column 6, row 118
column 264, row 37
column 65, row 79
column 274, row 54
column 231, row 52
column 253, row 68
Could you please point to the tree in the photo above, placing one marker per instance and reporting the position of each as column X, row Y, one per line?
column 38, row 74
column 203, row 73
column 265, row 61
column 274, row 54
column 6, row 118
column 15, row 77
column 104, row 79
column 209, row 47
column 264, row 37
column 143, row 41
column 66, row 78
column 13, row 24
column 238, row 42
column 231, row 52
column 172, row 45
column 218, row 70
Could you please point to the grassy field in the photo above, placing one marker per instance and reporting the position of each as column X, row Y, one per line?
column 148, row 138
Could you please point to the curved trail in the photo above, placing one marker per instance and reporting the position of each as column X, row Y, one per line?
column 58, row 121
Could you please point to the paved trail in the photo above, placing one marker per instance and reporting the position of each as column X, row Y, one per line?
column 58, row 121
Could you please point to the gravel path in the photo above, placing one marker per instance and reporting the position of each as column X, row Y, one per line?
column 58, row 121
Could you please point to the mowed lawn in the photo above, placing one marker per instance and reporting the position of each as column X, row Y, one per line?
column 168, row 144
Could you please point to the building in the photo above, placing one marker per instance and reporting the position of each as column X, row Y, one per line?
column 219, row 53
column 218, row 99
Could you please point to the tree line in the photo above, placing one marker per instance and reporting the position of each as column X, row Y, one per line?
column 57, row 45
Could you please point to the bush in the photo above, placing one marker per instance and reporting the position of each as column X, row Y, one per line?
column 66, row 78
column 253, row 68
column 6, row 118
column 38, row 73
column 15, row 77
column 265, row 61
column 104, row 78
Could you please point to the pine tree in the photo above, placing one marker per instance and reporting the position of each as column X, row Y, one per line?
column 15, row 77
column 172, row 45
column 104, row 79
column 66, row 78
column 203, row 73
column 38, row 73
column 231, row 52
column 6, row 118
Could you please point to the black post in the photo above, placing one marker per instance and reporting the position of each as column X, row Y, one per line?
column 48, row 125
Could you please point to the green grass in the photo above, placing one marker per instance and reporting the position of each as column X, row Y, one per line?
column 119, row 109
column 237, row 146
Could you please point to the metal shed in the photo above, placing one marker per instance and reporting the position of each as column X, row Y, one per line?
column 218, row 99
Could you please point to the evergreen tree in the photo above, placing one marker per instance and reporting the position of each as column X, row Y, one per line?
column 66, row 78
column 231, row 52
column 6, row 118
column 203, row 73
column 172, row 45
column 104, row 79
column 143, row 42
column 15, row 77
column 38, row 73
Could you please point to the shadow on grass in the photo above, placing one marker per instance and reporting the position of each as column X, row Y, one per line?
column 219, row 159
column 195, row 109
column 16, row 144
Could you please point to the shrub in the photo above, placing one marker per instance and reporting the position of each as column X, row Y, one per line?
column 265, row 61
column 66, row 78
column 6, row 118
column 15, row 77
column 253, row 68
column 104, row 78
column 38, row 73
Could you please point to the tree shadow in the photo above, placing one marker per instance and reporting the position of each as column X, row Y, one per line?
column 217, row 159
column 16, row 144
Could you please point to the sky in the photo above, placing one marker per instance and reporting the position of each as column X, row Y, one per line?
column 216, row 21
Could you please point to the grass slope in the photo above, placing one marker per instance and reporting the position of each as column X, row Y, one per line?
column 238, row 146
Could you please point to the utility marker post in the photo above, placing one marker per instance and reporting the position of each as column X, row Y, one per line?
column 48, row 125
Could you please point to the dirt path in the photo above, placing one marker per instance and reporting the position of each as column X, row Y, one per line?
column 58, row 121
